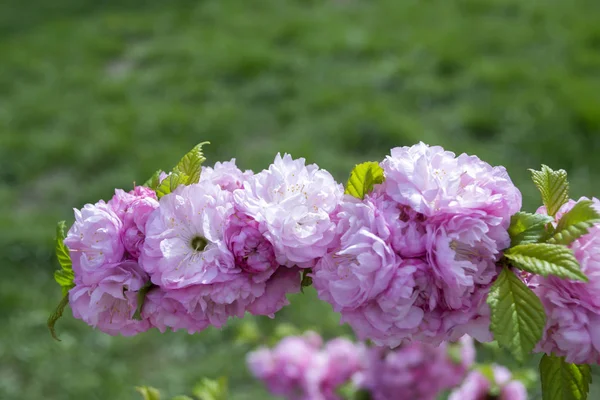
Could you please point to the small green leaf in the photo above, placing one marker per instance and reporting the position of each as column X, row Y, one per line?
column 306, row 280
column 528, row 228
column 517, row 315
column 553, row 186
column 148, row 393
column 191, row 164
column 62, row 253
column 211, row 389
column 170, row 183
column 546, row 259
column 362, row 179
column 154, row 180
column 182, row 397
column 65, row 279
column 55, row 316
column 141, row 298
column 564, row 381
column 64, row 276
column 575, row 223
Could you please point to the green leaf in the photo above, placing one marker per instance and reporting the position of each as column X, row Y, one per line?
column 306, row 280
column 191, row 164
column 362, row 179
column 55, row 316
column 211, row 389
column 182, row 397
column 553, row 186
column 564, row 381
column 546, row 259
column 527, row 228
column 154, row 180
column 64, row 276
column 517, row 315
column 141, row 298
column 148, row 393
column 575, row 223
column 170, row 183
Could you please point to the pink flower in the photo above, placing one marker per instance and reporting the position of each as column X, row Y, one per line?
column 573, row 307
column 184, row 243
column 134, row 221
column 477, row 386
column 364, row 264
column 414, row 260
column 251, row 250
column 298, row 368
column 210, row 263
column 226, row 174
column 391, row 300
column 284, row 281
column 339, row 362
column 94, row 241
column 110, row 304
column 122, row 200
column 284, row 368
column 292, row 204
column 432, row 181
column 414, row 371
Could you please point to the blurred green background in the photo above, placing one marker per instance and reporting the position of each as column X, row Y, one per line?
column 99, row 94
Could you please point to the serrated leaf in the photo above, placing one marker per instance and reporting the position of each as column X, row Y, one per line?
column 65, row 279
column 562, row 380
column 55, row 316
column 553, row 186
column 170, row 183
column 191, row 164
column 154, row 180
column 62, row 253
column 362, row 179
column 517, row 315
column 141, row 298
column 148, row 393
column 575, row 223
column 527, row 228
column 64, row 276
column 546, row 259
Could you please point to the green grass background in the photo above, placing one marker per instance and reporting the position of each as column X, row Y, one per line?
column 99, row 94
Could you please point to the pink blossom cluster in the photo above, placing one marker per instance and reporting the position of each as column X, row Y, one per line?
column 416, row 370
column 414, row 260
column 500, row 386
column 302, row 368
column 573, row 307
column 234, row 242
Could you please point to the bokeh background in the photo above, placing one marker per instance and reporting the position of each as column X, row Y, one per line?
column 99, row 94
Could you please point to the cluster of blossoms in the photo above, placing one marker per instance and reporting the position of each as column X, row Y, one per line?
column 234, row 242
column 499, row 385
column 302, row 368
column 415, row 258
column 573, row 307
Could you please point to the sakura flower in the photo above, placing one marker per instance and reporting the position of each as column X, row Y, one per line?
column 110, row 304
column 184, row 242
column 225, row 174
column 94, row 241
column 292, row 203
column 431, row 181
